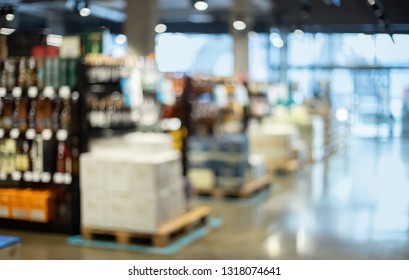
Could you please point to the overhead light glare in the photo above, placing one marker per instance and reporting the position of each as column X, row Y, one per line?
column 239, row 25
column 83, row 8
column 84, row 12
column 371, row 2
column 201, row 5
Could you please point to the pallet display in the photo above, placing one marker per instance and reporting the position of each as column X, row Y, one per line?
column 248, row 190
column 163, row 236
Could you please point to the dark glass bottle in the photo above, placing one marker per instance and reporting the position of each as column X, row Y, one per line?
column 23, row 162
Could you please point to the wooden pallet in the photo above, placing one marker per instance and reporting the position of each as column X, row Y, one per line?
column 289, row 166
column 248, row 190
column 162, row 237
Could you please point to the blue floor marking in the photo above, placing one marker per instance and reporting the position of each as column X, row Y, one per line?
column 172, row 248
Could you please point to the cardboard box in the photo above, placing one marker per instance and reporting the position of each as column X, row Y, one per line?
column 10, row 247
column 93, row 172
column 139, row 213
column 94, row 210
column 20, row 204
column 42, row 206
column 202, row 178
column 5, row 201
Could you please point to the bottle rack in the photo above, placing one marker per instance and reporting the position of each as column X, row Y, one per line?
column 39, row 153
column 104, row 108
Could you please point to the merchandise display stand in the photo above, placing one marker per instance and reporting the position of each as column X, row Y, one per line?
column 40, row 146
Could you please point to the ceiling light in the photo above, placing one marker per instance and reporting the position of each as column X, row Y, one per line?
column 83, row 8
column 84, row 12
column 201, row 5
column 161, row 28
column 371, row 2
column 6, row 31
column 239, row 25
column 8, row 13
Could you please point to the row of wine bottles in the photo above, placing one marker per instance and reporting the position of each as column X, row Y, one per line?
column 42, row 158
column 26, row 72
column 39, row 111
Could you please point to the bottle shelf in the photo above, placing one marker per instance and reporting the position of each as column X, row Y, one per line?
column 58, row 178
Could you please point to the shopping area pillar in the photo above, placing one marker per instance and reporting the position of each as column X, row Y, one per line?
column 142, row 17
column 240, row 12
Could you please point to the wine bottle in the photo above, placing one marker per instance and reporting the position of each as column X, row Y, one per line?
column 10, row 74
column 22, row 161
column 7, row 113
column 65, row 115
column 9, row 155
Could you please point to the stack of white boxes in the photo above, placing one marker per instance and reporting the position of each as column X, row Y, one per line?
column 131, row 191
column 222, row 161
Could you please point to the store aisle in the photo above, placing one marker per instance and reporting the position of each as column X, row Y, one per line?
column 353, row 206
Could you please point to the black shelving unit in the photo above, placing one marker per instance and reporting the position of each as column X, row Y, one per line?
column 65, row 186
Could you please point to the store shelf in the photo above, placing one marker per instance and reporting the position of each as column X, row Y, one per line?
column 55, row 227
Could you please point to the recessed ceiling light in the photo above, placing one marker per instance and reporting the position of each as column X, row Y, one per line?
column 84, row 12
column 201, row 5
column 239, row 25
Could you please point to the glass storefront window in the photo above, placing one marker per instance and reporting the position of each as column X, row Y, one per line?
column 195, row 53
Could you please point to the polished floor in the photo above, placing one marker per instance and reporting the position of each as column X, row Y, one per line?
column 353, row 206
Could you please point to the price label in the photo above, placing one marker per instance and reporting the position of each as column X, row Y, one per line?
column 3, row 91
column 62, row 135
column 45, row 177
column 28, row 176
column 36, row 176
column 49, row 92
column 47, row 134
column 16, row 92
column 16, row 175
column 67, row 179
column 30, row 134
column 32, row 92
column 14, row 133
column 64, row 92
column 58, row 178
